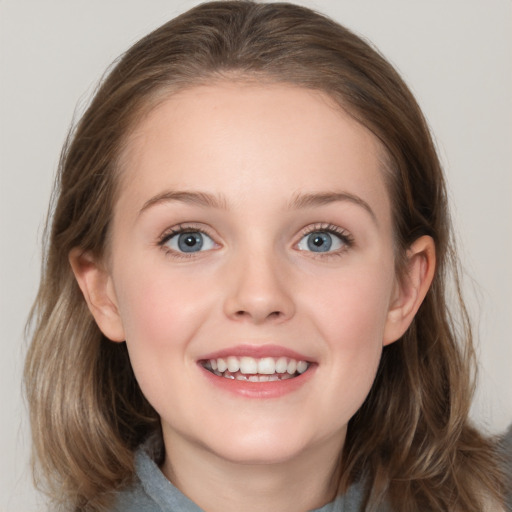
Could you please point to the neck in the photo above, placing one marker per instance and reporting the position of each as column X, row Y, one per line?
column 215, row 484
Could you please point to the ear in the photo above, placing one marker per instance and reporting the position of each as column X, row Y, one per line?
column 410, row 289
column 96, row 285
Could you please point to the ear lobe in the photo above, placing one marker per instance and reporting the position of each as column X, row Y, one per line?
column 410, row 290
column 97, row 288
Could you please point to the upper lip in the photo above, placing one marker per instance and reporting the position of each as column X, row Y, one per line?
column 257, row 352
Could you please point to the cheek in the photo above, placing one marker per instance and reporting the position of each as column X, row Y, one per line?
column 351, row 318
column 160, row 314
column 160, row 317
column 352, row 308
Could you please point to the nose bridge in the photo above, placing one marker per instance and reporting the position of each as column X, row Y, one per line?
column 259, row 289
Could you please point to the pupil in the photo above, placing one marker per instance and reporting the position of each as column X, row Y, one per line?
column 319, row 242
column 190, row 242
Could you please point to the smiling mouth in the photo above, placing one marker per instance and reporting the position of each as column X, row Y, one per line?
column 250, row 369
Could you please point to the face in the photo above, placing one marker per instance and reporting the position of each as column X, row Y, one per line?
column 252, row 269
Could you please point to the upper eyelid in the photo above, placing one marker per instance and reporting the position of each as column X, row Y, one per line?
column 168, row 234
column 185, row 227
column 328, row 227
column 346, row 237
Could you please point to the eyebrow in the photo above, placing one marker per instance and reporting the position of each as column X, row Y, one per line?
column 322, row 198
column 198, row 198
column 299, row 200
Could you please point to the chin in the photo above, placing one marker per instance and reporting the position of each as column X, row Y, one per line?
column 260, row 447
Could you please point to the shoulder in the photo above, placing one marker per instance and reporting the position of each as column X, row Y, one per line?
column 134, row 499
column 151, row 492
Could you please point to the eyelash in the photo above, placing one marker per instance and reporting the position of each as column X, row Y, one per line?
column 179, row 230
column 342, row 234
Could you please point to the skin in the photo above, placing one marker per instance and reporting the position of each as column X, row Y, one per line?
column 254, row 149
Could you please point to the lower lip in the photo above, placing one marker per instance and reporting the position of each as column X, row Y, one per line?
column 261, row 390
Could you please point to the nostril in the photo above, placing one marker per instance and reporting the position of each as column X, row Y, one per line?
column 272, row 314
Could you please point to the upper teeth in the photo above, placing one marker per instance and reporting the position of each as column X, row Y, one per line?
column 251, row 365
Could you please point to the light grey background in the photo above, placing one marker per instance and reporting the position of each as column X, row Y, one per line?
column 457, row 57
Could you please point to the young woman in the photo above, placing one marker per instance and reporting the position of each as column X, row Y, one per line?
column 243, row 305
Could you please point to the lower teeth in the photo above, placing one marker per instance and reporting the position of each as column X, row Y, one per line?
column 254, row 378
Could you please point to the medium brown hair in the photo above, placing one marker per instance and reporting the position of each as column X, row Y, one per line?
column 410, row 443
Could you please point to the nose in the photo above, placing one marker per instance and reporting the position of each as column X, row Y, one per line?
column 259, row 290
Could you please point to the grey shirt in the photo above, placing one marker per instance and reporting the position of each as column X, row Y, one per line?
column 154, row 493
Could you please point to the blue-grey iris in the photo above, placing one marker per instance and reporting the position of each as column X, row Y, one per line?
column 319, row 241
column 190, row 242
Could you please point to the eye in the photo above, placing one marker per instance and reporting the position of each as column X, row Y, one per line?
column 324, row 240
column 189, row 242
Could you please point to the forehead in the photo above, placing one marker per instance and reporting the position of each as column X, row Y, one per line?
column 240, row 137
